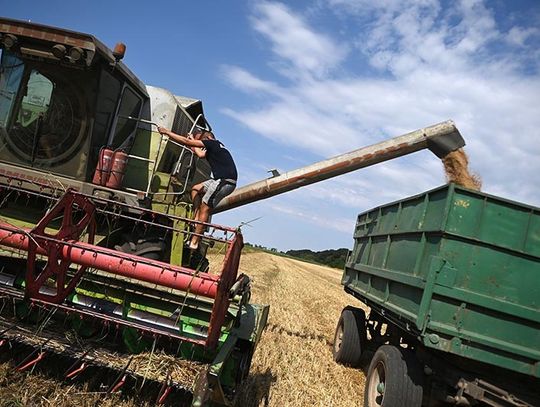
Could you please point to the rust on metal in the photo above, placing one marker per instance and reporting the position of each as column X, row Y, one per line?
column 47, row 33
column 39, row 34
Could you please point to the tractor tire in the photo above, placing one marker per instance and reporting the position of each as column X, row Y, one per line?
column 152, row 249
column 394, row 378
column 198, row 262
column 350, row 337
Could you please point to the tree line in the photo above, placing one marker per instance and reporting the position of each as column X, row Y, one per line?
column 332, row 257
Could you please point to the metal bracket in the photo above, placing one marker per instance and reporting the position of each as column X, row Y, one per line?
column 69, row 208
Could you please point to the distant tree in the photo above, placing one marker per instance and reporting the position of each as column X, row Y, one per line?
column 333, row 258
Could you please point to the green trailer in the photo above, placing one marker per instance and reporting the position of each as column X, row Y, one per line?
column 452, row 280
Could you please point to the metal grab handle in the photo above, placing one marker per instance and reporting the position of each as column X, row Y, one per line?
column 138, row 120
column 207, row 127
column 178, row 163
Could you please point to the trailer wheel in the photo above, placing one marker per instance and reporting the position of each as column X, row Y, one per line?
column 350, row 337
column 394, row 379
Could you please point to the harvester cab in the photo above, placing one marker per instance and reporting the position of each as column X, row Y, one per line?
column 73, row 116
column 94, row 214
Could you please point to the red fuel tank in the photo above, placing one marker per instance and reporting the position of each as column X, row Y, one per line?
column 103, row 166
column 118, row 169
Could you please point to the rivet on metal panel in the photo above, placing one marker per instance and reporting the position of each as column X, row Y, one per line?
column 456, row 343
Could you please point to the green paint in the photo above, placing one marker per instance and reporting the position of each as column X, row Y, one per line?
column 380, row 388
column 461, row 267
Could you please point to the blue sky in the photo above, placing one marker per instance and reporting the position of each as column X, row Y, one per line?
column 286, row 84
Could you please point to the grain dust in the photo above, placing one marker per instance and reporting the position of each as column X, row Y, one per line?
column 456, row 167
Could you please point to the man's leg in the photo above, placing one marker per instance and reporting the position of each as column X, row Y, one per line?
column 197, row 191
column 214, row 191
column 203, row 213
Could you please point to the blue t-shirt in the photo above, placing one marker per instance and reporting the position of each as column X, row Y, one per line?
column 220, row 160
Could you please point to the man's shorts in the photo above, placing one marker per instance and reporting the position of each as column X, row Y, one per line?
column 217, row 189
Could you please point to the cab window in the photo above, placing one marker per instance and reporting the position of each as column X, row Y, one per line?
column 11, row 73
column 42, row 111
column 124, row 131
column 107, row 101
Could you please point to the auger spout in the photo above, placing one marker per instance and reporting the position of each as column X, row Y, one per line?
column 441, row 139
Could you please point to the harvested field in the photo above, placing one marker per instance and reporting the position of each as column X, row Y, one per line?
column 292, row 365
column 21, row 389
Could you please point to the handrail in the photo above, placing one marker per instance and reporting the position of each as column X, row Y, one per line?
column 164, row 140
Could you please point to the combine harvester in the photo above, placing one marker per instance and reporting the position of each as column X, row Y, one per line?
column 95, row 281
column 93, row 218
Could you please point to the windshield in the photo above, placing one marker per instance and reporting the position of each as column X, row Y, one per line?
column 42, row 113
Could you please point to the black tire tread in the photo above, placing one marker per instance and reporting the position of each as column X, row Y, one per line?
column 352, row 343
column 403, row 382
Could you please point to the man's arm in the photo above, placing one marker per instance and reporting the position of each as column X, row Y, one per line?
column 199, row 152
column 182, row 139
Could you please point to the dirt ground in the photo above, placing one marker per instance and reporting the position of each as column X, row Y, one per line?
column 292, row 365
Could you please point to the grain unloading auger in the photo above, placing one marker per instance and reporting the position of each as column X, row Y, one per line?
column 441, row 139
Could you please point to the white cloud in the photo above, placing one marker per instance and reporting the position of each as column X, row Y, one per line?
column 345, row 225
column 429, row 64
column 247, row 82
column 519, row 36
column 419, row 35
column 292, row 123
column 310, row 53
